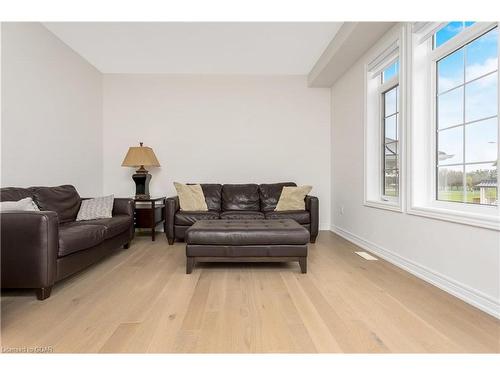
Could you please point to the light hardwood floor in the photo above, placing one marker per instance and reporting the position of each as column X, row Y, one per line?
column 141, row 300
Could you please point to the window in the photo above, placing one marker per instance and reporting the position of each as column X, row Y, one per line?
column 390, row 133
column 390, row 72
column 467, row 122
column 383, row 123
column 453, row 129
column 449, row 31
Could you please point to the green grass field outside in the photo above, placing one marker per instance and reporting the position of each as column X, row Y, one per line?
column 458, row 195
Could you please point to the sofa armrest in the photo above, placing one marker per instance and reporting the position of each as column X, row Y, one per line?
column 171, row 207
column 30, row 244
column 123, row 206
column 312, row 205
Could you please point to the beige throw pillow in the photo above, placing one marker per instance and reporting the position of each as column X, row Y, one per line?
column 191, row 197
column 25, row 204
column 96, row 208
column 292, row 198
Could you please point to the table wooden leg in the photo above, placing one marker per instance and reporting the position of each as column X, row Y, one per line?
column 153, row 214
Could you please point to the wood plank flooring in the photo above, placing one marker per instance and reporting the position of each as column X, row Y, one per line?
column 141, row 300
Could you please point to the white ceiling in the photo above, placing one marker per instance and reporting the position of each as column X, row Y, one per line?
column 197, row 47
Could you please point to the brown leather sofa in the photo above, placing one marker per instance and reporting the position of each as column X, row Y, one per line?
column 39, row 248
column 239, row 201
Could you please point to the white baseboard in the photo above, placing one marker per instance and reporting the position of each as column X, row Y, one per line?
column 323, row 226
column 457, row 289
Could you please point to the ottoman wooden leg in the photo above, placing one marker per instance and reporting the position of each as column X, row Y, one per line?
column 189, row 264
column 43, row 293
column 303, row 264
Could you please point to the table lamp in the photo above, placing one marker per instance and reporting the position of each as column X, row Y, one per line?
column 141, row 157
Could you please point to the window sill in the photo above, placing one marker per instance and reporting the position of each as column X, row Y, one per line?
column 489, row 220
column 384, row 205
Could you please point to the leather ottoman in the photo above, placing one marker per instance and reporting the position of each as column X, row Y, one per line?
column 246, row 241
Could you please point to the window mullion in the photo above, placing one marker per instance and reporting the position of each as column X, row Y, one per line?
column 464, row 177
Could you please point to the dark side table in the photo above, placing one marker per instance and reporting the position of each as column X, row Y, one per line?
column 149, row 212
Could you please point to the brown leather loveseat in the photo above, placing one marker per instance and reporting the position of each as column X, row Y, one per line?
column 239, row 201
column 39, row 248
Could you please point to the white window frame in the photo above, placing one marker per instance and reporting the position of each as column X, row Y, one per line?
column 421, row 196
column 382, row 55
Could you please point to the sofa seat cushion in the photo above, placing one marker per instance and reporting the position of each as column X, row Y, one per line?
column 74, row 237
column 241, row 215
column 114, row 226
column 301, row 217
column 191, row 217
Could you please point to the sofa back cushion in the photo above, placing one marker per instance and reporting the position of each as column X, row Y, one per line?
column 213, row 196
column 62, row 199
column 240, row 197
column 270, row 194
column 14, row 194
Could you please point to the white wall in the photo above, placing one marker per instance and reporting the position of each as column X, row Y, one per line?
column 226, row 129
column 462, row 259
column 51, row 112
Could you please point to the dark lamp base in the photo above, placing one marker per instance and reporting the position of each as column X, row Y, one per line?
column 141, row 184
